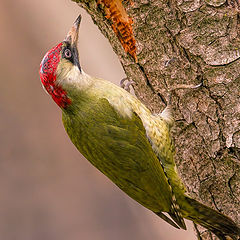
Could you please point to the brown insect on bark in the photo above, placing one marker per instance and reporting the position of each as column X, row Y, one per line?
column 121, row 24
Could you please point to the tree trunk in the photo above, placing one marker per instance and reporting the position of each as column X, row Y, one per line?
column 177, row 42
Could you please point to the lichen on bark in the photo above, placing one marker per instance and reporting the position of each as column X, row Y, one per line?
column 188, row 42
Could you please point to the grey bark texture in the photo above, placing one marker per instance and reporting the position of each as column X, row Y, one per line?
column 189, row 42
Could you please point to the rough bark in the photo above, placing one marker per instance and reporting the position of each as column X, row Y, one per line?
column 189, row 42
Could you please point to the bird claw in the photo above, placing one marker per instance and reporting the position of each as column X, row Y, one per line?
column 185, row 86
column 180, row 86
column 166, row 114
column 169, row 61
column 126, row 86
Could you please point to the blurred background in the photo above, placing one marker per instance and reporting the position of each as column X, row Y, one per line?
column 47, row 189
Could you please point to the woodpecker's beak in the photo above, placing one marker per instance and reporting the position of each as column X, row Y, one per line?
column 72, row 36
column 72, row 40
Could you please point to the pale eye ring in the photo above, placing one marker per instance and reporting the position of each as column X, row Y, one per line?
column 67, row 53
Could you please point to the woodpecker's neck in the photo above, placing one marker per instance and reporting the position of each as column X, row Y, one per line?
column 71, row 76
column 73, row 83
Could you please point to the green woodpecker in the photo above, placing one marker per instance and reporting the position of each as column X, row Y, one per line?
column 123, row 139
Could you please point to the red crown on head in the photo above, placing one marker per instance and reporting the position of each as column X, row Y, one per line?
column 48, row 68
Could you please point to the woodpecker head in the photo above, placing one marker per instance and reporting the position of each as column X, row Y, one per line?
column 60, row 66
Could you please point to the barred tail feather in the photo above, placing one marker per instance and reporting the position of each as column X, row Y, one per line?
column 177, row 217
column 167, row 219
column 219, row 224
column 177, row 220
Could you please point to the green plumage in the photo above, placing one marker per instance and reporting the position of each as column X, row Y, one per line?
column 124, row 140
column 139, row 161
column 118, row 147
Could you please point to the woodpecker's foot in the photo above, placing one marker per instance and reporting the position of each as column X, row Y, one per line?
column 167, row 114
column 127, row 85
column 168, row 62
column 185, row 86
column 179, row 86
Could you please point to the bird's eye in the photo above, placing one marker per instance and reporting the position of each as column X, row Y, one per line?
column 67, row 53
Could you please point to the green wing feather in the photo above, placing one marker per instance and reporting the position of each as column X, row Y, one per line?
column 139, row 161
column 119, row 148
